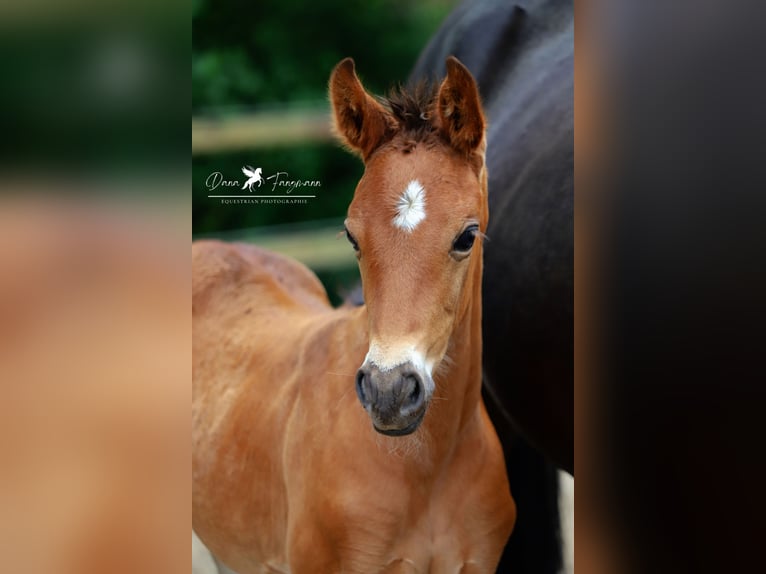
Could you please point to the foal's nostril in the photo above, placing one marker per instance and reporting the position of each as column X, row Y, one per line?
column 413, row 392
column 363, row 388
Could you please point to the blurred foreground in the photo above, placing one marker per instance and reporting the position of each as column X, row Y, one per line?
column 94, row 288
column 94, row 372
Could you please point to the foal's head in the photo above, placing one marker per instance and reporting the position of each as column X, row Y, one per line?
column 416, row 223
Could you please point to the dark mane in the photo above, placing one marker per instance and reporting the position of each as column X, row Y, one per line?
column 413, row 109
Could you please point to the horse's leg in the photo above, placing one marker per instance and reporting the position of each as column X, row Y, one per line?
column 400, row 567
column 309, row 550
column 440, row 566
column 202, row 558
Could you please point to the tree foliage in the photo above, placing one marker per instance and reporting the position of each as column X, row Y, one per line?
column 255, row 56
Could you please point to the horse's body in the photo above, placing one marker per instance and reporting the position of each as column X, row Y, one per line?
column 288, row 473
column 521, row 54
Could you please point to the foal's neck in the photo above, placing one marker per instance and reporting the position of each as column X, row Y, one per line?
column 457, row 396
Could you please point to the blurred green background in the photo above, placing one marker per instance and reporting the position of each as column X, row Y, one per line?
column 259, row 98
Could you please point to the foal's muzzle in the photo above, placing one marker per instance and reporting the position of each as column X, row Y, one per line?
column 395, row 398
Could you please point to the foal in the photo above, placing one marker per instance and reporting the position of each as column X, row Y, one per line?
column 290, row 474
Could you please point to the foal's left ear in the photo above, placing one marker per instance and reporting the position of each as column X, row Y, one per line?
column 458, row 111
column 360, row 121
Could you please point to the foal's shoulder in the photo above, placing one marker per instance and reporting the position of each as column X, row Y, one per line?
column 220, row 266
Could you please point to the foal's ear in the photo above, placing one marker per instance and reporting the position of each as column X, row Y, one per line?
column 458, row 109
column 360, row 121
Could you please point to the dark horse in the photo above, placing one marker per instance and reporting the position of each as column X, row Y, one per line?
column 522, row 56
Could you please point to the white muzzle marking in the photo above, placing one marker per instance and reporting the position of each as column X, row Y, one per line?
column 386, row 358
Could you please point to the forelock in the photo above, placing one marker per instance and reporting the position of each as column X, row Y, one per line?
column 413, row 111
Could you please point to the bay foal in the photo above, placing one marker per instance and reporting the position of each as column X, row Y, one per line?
column 290, row 473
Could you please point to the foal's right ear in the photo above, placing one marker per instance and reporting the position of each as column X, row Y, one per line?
column 458, row 109
column 360, row 121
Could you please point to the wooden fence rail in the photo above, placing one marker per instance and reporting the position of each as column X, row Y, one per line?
column 259, row 130
column 320, row 245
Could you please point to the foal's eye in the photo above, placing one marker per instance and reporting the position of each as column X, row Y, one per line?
column 465, row 240
column 351, row 240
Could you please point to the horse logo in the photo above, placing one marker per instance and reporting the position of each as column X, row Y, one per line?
column 254, row 175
